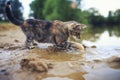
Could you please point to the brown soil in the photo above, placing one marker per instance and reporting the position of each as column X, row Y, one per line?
column 17, row 63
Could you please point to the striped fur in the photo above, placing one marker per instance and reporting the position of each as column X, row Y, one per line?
column 56, row 32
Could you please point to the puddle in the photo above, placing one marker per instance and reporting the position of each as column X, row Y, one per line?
column 101, row 52
column 56, row 78
column 100, row 62
column 103, row 73
column 57, row 56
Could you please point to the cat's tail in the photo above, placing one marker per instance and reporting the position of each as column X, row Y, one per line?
column 10, row 14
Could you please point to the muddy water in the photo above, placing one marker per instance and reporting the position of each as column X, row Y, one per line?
column 98, row 63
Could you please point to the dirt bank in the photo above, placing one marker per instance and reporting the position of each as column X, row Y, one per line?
column 66, row 65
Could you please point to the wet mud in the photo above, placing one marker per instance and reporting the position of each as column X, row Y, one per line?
column 43, row 63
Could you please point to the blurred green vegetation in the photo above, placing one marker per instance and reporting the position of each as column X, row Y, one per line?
column 93, row 33
column 65, row 10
